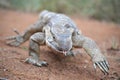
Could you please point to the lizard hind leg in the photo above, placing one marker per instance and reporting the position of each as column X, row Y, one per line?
column 36, row 40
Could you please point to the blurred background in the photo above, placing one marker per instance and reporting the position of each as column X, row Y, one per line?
column 107, row 10
column 97, row 19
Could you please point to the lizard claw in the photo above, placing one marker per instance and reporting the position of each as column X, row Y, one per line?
column 103, row 65
column 15, row 40
column 36, row 62
column 16, row 31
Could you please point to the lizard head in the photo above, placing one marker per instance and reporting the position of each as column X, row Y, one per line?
column 63, row 38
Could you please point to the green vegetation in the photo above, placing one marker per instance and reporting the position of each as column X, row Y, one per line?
column 108, row 10
column 99, row 9
column 114, row 44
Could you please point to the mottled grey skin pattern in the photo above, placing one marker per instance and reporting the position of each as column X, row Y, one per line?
column 59, row 33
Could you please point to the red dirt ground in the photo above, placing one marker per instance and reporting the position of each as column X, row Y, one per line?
column 80, row 67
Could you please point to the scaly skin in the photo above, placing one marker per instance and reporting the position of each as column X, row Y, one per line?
column 59, row 33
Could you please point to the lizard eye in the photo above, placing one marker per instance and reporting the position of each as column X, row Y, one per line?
column 53, row 37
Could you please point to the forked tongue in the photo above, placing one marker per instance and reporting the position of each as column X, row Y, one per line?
column 65, row 53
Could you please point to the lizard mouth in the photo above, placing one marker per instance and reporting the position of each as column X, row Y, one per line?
column 53, row 45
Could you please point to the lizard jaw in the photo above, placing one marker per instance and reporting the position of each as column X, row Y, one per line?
column 54, row 47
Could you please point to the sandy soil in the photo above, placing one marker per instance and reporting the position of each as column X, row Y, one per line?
column 80, row 67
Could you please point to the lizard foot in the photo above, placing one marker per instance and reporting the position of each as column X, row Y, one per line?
column 36, row 62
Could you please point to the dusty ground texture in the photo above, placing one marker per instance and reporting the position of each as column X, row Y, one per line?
column 80, row 67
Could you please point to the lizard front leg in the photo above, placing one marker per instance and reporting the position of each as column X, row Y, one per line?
column 36, row 40
column 21, row 38
column 36, row 27
column 93, row 50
